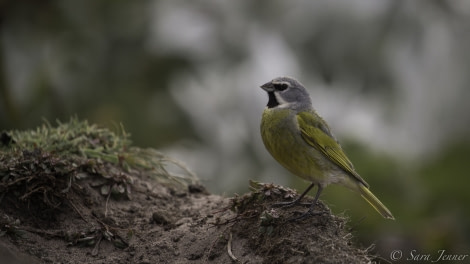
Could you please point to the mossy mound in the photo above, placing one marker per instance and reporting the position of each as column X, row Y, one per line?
column 77, row 193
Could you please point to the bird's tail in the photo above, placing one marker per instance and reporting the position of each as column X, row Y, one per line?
column 375, row 202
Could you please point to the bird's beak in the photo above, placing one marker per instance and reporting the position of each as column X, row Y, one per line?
column 268, row 87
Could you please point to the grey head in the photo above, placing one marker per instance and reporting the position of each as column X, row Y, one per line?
column 285, row 92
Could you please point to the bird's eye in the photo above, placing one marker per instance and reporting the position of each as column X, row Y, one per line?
column 280, row 86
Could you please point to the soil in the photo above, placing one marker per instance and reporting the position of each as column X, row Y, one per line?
column 49, row 218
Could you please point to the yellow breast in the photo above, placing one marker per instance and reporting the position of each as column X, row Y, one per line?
column 281, row 137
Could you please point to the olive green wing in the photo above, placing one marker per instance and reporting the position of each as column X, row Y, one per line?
column 316, row 133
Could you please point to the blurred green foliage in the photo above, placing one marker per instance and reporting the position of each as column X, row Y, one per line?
column 86, row 58
column 428, row 198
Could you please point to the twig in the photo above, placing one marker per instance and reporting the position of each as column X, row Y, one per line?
column 95, row 250
column 17, row 180
column 76, row 210
column 229, row 249
column 58, row 234
column 106, row 205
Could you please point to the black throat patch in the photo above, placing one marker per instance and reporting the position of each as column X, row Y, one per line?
column 272, row 100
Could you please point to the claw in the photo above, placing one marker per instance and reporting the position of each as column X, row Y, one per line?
column 309, row 212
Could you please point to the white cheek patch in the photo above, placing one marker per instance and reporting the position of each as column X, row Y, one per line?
column 282, row 103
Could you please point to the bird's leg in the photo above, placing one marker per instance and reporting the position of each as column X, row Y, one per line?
column 309, row 212
column 297, row 200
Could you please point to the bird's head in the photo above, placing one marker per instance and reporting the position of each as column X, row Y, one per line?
column 285, row 92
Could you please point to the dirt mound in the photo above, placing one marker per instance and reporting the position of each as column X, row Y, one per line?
column 272, row 236
column 70, row 206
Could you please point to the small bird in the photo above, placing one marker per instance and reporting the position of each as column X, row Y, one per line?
column 301, row 141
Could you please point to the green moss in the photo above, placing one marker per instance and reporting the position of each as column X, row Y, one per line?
column 76, row 140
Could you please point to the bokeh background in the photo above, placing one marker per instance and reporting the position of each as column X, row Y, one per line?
column 391, row 77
